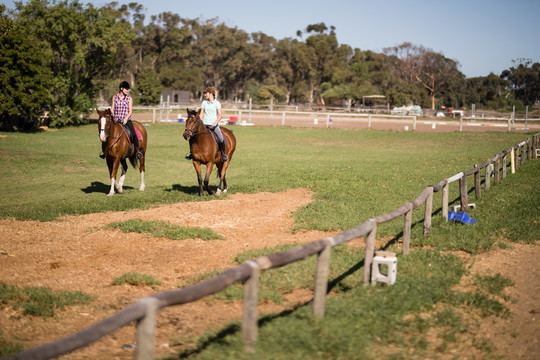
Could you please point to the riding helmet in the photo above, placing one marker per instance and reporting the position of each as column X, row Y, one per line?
column 124, row 85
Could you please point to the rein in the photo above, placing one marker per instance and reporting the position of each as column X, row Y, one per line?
column 191, row 132
column 108, row 132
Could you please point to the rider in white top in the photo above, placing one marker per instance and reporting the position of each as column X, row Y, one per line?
column 211, row 116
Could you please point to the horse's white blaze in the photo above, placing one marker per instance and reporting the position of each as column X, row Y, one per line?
column 102, row 135
column 141, row 188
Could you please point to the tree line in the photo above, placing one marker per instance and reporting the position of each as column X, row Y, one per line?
column 65, row 56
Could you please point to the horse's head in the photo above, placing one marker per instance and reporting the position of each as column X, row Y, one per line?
column 104, row 123
column 193, row 121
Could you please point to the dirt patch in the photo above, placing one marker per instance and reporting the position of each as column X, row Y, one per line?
column 77, row 253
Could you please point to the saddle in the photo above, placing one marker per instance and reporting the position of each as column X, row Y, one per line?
column 130, row 135
column 225, row 141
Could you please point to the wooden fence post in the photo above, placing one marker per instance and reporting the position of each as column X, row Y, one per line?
column 487, row 175
column 146, row 329
column 523, row 153
column 477, row 188
column 445, row 191
column 463, row 196
column 497, row 169
column 321, row 279
column 249, row 315
column 370, row 250
column 504, row 166
column 427, row 212
column 407, row 223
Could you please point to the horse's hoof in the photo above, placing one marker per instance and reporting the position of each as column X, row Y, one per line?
column 141, row 188
column 110, row 194
column 218, row 192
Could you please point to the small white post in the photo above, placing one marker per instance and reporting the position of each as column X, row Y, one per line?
column 249, row 118
column 513, row 160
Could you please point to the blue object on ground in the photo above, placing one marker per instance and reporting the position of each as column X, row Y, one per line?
column 461, row 217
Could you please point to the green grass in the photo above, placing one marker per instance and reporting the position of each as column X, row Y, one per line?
column 355, row 174
column 40, row 301
column 360, row 319
column 274, row 284
column 136, row 279
column 164, row 229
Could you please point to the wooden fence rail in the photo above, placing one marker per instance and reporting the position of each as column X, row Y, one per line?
column 144, row 311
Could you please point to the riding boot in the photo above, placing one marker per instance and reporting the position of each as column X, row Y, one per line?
column 222, row 149
column 188, row 156
column 137, row 151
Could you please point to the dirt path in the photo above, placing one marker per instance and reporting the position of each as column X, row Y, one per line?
column 76, row 253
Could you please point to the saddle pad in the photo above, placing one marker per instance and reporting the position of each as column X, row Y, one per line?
column 128, row 133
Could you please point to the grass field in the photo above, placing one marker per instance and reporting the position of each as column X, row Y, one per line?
column 355, row 175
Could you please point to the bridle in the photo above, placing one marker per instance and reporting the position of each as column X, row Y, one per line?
column 107, row 130
column 193, row 132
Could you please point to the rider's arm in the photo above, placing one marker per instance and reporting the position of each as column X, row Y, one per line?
column 218, row 118
column 130, row 110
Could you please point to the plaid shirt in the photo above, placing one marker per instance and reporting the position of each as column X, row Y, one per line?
column 121, row 108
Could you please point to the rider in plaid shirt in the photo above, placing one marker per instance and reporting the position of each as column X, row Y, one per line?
column 122, row 108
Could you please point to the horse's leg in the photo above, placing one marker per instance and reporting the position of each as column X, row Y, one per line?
column 223, row 176
column 209, row 167
column 220, row 186
column 141, row 169
column 197, row 166
column 120, row 184
column 113, row 169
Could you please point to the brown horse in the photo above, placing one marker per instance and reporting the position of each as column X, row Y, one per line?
column 204, row 150
column 117, row 148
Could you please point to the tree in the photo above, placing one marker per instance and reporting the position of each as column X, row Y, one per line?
column 81, row 44
column 418, row 65
column 525, row 80
column 25, row 78
column 291, row 67
column 326, row 56
column 489, row 91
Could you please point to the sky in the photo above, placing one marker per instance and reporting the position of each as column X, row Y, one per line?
column 483, row 36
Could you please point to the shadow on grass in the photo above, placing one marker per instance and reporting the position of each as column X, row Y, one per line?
column 96, row 187
column 191, row 190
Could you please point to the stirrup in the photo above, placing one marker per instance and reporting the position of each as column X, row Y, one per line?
column 139, row 155
column 102, row 155
column 224, row 157
column 188, row 156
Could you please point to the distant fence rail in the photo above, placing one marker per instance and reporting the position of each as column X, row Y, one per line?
column 293, row 116
column 144, row 311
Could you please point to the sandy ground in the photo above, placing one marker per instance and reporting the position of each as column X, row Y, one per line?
column 77, row 253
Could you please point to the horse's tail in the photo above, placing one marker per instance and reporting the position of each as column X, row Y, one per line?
column 134, row 161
